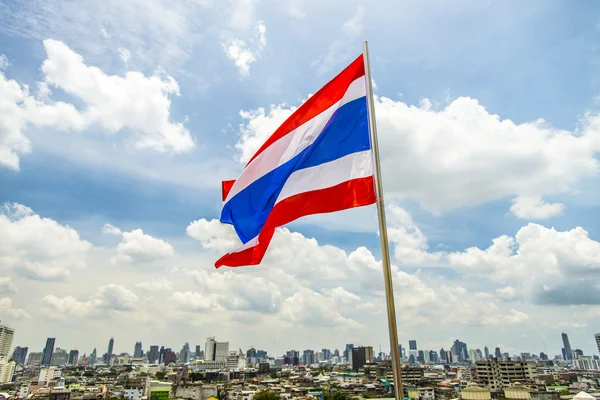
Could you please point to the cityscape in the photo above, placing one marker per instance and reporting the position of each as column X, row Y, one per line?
column 215, row 370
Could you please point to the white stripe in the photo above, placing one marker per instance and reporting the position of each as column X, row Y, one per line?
column 294, row 142
column 323, row 176
column 247, row 245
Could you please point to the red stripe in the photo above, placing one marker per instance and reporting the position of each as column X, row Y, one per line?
column 350, row 194
column 226, row 188
column 327, row 96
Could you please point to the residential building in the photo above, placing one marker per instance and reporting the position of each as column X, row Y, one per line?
column 587, row 363
column 48, row 350
column 6, row 339
column 475, row 392
column 35, row 358
column 308, row 357
column 48, row 374
column 597, row 337
column 7, row 369
column 236, row 360
column 60, row 357
column 496, row 374
column 194, row 391
column 216, row 351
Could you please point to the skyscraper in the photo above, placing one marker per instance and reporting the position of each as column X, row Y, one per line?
column 93, row 357
column 568, row 352
column 73, row 357
column 361, row 356
column 137, row 350
column 6, row 338
column 308, row 357
column 486, row 351
column 498, row 353
column 597, row 337
column 216, row 351
column 20, row 355
column 459, row 349
column 109, row 353
column 348, row 352
column 153, row 355
column 412, row 350
column 48, row 350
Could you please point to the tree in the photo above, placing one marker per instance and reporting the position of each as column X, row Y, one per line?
column 196, row 376
column 160, row 375
column 266, row 395
column 337, row 395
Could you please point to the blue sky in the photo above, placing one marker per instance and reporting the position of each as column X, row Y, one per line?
column 459, row 90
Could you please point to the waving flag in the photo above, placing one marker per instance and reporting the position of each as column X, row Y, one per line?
column 318, row 161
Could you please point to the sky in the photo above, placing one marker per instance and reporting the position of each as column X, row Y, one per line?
column 119, row 120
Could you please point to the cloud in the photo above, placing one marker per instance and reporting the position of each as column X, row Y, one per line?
column 341, row 49
column 160, row 285
column 6, row 285
column 535, row 208
column 3, row 62
column 39, row 248
column 6, row 308
column 194, row 302
column 461, row 155
column 514, row 317
column 135, row 103
column 244, row 53
column 107, row 300
column 136, row 247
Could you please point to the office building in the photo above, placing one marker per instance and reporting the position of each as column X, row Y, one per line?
column 109, row 353
column 486, row 351
column 459, row 350
column 308, row 357
column 361, row 356
column 137, row 350
column 412, row 350
column 48, row 350
column 20, row 355
column 568, row 353
column 216, row 351
column 153, row 355
column 498, row 353
column 185, row 355
column 73, row 357
column 348, row 353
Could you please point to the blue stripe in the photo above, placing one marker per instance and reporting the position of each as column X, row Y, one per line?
column 346, row 132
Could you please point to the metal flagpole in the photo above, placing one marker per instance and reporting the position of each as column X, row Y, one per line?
column 385, row 250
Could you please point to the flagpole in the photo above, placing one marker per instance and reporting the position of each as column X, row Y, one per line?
column 385, row 250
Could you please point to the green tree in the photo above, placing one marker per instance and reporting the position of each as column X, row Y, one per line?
column 266, row 395
column 196, row 376
column 160, row 375
column 337, row 395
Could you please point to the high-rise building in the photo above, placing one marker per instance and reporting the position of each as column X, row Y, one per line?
column 498, row 353
column 6, row 338
column 459, row 349
column 361, row 356
column 137, row 350
column 73, row 357
column 326, row 354
column 93, row 357
column 412, row 350
column 185, row 355
column 35, row 358
column 216, row 351
column 567, row 346
column 443, row 355
column 486, row 351
column 421, row 356
column 48, row 350
column 348, row 353
column 597, row 337
column 198, row 352
column 308, row 357
column 153, row 355
column 578, row 353
column 433, row 356
column 20, row 355
column 60, row 357
column 109, row 353
column 400, row 352
column 412, row 345
column 161, row 355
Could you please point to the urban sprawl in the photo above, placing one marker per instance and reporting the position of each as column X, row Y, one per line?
column 213, row 372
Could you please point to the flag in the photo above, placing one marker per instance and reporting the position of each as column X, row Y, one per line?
column 318, row 161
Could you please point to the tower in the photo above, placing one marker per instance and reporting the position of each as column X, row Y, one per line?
column 568, row 352
column 48, row 350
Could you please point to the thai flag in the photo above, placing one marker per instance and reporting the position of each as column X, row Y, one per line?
column 318, row 161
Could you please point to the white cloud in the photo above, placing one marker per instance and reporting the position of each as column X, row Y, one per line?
column 108, row 299
column 6, row 308
column 139, row 248
column 6, row 285
column 341, row 49
column 39, row 248
column 461, row 155
column 160, row 285
column 124, row 54
column 3, row 62
column 527, row 207
column 135, row 102
column 244, row 53
column 111, row 230
column 514, row 317
column 193, row 301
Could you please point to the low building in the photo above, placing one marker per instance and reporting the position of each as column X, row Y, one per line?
column 194, row 391
column 476, row 392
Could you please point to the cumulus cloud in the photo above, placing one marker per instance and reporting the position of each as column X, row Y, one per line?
column 39, row 248
column 133, row 103
column 155, row 286
column 107, row 300
column 242, row 52
column 136, row 247
column 462, row 155
column 7, row 308
column 6, row 285
column 525, row 207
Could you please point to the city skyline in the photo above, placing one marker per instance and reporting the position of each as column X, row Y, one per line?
column 117, row 131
